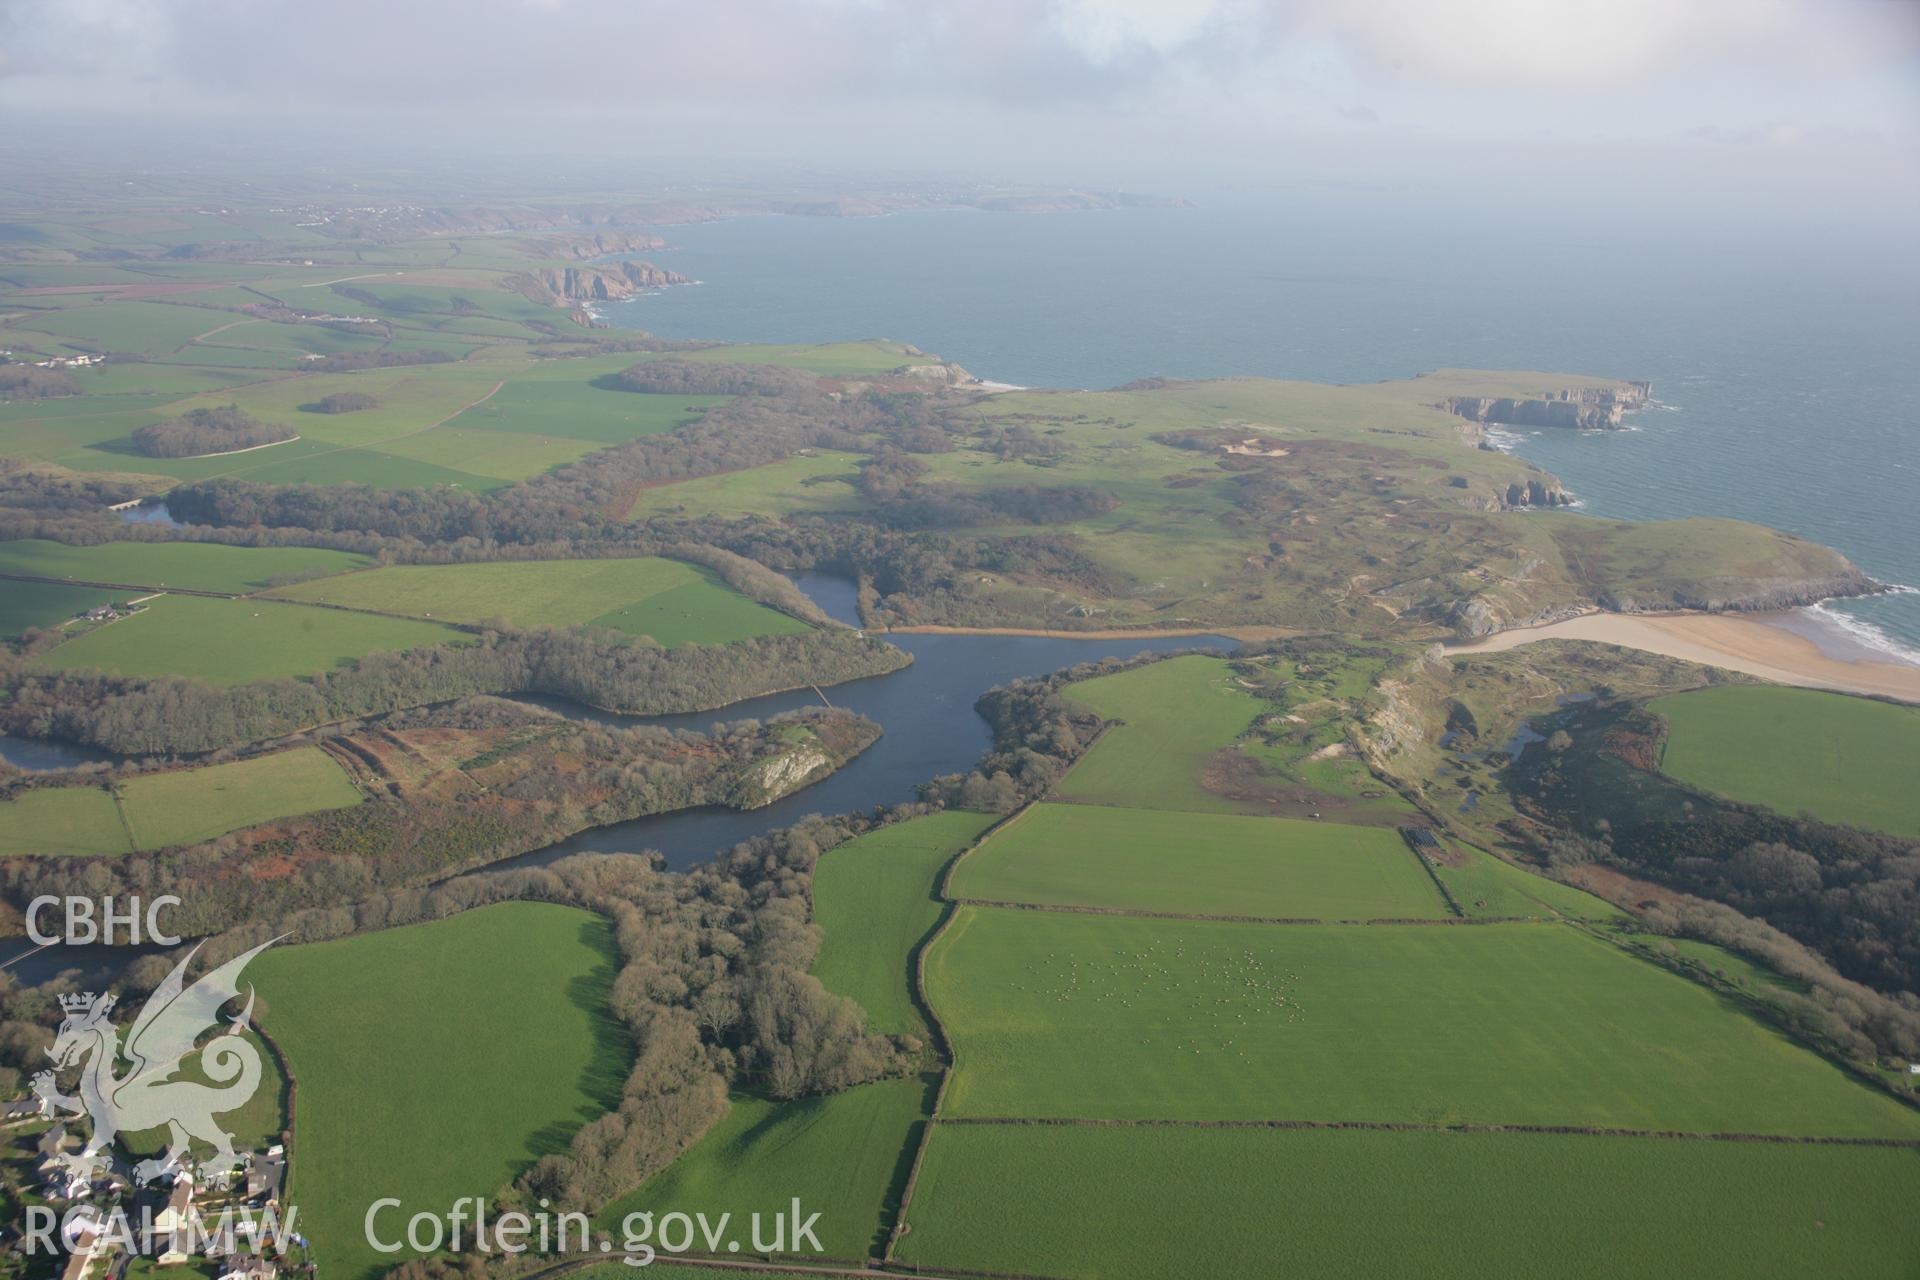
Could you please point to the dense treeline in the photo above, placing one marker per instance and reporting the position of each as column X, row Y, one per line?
column 172, row 716
column 1852, row 895
column 345, row 402
column 917, row 575
column 36, row 503
column 715, row 378
column 713, row 986
column 1852, row 1019
column 546, row 778
column 24, row 382
column 222, row 429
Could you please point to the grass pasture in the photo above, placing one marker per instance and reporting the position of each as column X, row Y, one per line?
column 229, row 642
column 188, row 805
column 192, row 566
column 1103, row 1202
column 1199, row 864
column 1483, row 885
column 1104, row 1017
column 181, row 806
column 873, row 898
column 438, row 1060
column 1842, row 759
column 63, row 821
column 669, row 600
column 845, row 1155
column 819, row 481
column 558, row 398
column 1176, row 714
column 47, row 604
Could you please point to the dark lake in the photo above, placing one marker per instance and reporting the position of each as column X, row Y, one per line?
column 925, row 712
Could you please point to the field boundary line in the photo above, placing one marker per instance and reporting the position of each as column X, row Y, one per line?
column 1426, row 864
column 757, row 1266
column 1414, row 1126
column 119, row 586
column 381, row 445
column 126, row 823
column 944, row 1042
column 1749, row 1002
column 1146, row 913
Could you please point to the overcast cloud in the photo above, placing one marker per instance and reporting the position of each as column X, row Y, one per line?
column 1097, row 80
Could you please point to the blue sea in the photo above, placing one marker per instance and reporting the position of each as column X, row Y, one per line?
column 1785, row 358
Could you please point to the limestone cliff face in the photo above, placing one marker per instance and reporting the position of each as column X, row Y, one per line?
column 603, row 282
column 1744, row 594
column 1537, row 493
column 1584, row 408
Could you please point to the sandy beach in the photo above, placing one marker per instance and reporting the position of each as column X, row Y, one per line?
column 1733, row 641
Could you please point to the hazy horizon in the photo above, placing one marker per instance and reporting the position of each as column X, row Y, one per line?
column 1791, row 103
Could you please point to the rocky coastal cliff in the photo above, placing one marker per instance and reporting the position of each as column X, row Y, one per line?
column 603, row 282
column 1591, row 408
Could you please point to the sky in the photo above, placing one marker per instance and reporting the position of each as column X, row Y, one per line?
column 1779, row 93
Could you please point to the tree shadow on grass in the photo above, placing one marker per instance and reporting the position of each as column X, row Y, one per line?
column 903, row 1166
column 611, row 1059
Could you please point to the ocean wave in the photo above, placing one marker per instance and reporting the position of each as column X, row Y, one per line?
column 1503, row 440
column 1868, row 634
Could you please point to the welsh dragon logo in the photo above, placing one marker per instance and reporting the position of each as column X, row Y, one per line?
column 159, row 1041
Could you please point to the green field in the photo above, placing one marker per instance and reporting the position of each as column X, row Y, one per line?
column 1122, row 1202
column 1842, row 759
column 1107, row 1017
column 181, row 806
column 1199, row 864
column 438, row 1060
column 46, row 604
column 192, row 566
column 75, row 821
column 566, row 398
column 189, row 805
column 1485, row 886
column 874, row 901
column 1177, row 713
column 820, row 482
column 228, row 642
column 669, row 600
column 844, row 1155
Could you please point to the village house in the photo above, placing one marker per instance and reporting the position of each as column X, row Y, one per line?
column 88, row 1248
column 265, row 1174
column 178, row 1211
column 250, row 1266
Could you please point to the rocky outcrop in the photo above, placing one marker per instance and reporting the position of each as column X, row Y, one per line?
column 1588, row 408
column 605, row 282
column 1742, row 595
column 1536, row 493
